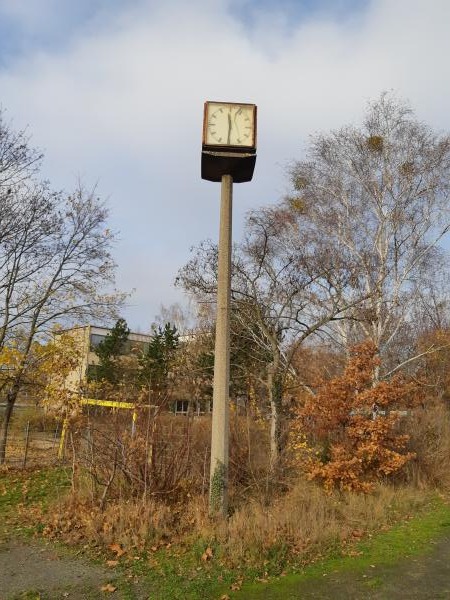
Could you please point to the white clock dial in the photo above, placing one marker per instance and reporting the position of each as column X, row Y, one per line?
column 230, row 125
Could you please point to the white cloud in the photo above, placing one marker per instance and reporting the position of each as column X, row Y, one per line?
column 122, row 103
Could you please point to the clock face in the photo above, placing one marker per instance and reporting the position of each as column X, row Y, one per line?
column 229, row 124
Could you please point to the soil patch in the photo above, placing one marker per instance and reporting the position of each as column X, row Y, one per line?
column 50, row 572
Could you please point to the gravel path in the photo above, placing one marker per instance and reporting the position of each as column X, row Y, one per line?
column 51, row 572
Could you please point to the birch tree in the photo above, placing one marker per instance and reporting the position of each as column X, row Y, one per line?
column 379, row 194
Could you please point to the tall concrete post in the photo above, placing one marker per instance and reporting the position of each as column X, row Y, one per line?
column 218, row 494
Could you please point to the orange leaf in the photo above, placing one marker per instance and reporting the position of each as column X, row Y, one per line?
column 117, row 549
column 207, row 554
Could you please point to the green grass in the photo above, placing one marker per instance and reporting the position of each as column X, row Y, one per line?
column 31, row 595
column 31, row 487
column 405, row 540
column 24, row 489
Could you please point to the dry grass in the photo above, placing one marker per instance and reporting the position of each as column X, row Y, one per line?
column 133, row 525
column 306, row 520
column 301, row 525
column 298, row 524
column 429, row 432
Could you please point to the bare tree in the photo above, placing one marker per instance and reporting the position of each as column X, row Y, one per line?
column 378, row 195
column 286, row 287
column 55, row 261
column 18, row 160
column 350, row 250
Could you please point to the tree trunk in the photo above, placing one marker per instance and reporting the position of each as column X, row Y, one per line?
column 274, row 389
column 10, row 401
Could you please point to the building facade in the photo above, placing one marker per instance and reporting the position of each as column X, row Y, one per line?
column 88, row 337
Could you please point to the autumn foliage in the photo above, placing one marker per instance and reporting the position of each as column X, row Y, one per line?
column 347, row 435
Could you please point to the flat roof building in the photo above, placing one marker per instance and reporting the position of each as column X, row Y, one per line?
column 88, row 338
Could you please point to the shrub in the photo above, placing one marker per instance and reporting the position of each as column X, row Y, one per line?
column 167, row 457
column 339, row 438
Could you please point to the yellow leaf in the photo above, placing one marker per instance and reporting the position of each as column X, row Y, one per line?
column 108, row 588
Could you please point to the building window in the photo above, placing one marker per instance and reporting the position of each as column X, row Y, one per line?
column 95, row 340
column 130, row 346
column 135, row 347
column 181, row 407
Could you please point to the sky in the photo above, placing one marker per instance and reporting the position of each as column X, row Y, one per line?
column 112, row 92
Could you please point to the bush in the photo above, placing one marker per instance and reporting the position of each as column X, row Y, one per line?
column 167, row 457
column 339, row 437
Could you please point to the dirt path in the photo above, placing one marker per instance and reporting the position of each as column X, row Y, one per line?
column 49, row 572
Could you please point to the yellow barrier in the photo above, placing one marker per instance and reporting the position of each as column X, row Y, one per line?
column 94, row 402
column 63, row 438
column 108, row 403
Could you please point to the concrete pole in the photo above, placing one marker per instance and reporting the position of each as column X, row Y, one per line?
column 218, row 494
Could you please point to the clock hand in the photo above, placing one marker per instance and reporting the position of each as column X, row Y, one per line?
column 236, row 125
column 229, row 127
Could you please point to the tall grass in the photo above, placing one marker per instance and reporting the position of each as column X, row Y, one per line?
column 152, row 490
column 299, row 526
column 307, row 521
column 429, row 431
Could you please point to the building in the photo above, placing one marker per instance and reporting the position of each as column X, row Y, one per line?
column 90, row 336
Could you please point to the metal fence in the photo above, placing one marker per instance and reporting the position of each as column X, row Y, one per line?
column 29, row 447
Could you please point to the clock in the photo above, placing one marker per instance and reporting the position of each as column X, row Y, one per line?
column 230, row 126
